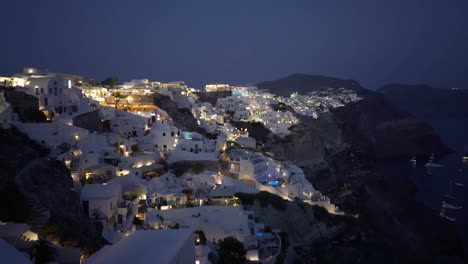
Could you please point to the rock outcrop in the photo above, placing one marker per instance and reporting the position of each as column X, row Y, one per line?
column 304, row 224
column 25, row 105
column 39, row 191
column 212, row 97
column 309, row 141
column 426, row 101
column 182, row 117
column 48, row 188
column 304, row 83
column 386, row 131
column 353, row 141
column 91, row 121
column 16, row 151
column 372, row 122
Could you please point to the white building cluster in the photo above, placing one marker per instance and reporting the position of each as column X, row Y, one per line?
column 217, row 87
column 320, row 101
column 250, row 104
column 122, row 171
column 208, row 117
column 56, row 92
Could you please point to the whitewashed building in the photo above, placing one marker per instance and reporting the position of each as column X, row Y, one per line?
column 101, row 200
column 56, row 93
column 217, row 87
column 164, row 136
column 196, row 143
column 170, row 246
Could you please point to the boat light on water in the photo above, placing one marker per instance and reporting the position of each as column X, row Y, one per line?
column 450, row 206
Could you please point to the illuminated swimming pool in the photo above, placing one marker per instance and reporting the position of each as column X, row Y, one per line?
column 273, row 183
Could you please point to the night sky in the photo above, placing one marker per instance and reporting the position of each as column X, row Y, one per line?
column 198, row 41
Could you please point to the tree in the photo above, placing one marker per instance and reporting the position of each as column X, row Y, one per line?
column 110, row 81
column 231, row 251
column 42, row 252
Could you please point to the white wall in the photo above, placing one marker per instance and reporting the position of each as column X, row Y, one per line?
column 54, row 92
column 186, row 252
column 164, row 134
column 105, row 207
column 246, row 170
column 53, row 134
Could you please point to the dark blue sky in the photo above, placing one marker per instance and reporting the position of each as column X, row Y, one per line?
column 372, row 41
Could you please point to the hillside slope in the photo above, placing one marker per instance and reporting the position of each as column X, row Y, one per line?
column 373, row 122
column 39, row 191
column 351, row 141
column 303, row 83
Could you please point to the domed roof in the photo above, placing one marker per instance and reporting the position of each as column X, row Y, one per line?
column 162, row 127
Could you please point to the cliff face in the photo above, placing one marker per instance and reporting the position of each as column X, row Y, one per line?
column 353, row 141
column 212, row 97
column 16, row 150
column 386, row 131
column 47, row 186
column 303, row 83
column 310, row 141
column 91, row 121
column 389, row 212
column 38, row 191
column 182, row 118
column 372, row 122
column 426, row 101
column 305, row 225
column 25, row 105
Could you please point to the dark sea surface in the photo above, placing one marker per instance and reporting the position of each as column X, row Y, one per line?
column 432, row 188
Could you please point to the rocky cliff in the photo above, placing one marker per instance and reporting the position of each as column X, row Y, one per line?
column 91, row 121
column 39, row 191
column 341, row 154
column 305, row 225
column 426, row 101
column 212, row 97
column 386, row 131
column 182, row 117
column 304, row 83
column 309, row 141
column 16, row 151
